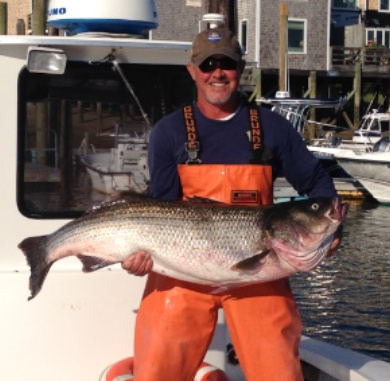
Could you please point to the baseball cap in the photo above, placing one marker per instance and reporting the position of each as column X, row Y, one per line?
column 215, row 41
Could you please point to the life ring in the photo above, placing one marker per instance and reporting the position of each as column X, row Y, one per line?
column 123, row 371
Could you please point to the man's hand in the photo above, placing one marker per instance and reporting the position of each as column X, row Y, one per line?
column 139, row 263
column 336, row 241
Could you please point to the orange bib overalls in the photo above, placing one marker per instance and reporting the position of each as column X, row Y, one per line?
column 176, row 319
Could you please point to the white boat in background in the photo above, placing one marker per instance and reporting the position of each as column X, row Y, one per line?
column 122, row 168
column 296, row 111
column 372, row 169
column 373, row 126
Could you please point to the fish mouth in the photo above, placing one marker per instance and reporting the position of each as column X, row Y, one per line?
column 337, row 211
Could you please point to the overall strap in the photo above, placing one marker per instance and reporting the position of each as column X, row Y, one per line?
column 256, row 134
column 192, row 145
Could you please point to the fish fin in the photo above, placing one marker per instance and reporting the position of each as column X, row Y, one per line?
column 250, row 263
column 35, row 253
column 91, row 263
column 120, row 197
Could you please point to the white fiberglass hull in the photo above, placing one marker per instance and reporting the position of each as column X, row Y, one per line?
column 372, row 169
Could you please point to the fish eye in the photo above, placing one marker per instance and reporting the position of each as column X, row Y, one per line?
column 315, row 206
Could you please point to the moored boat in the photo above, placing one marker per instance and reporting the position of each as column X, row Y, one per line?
column 372, row 169
column 123, row 168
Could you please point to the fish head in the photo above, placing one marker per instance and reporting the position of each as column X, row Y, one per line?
column 301, row 232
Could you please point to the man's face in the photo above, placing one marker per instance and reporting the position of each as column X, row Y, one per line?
column 216, row 84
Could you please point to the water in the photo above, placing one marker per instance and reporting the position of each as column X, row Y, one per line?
column 346, row 301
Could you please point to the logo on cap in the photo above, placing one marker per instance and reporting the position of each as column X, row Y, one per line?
column 214, row 36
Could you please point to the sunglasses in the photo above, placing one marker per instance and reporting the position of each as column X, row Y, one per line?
column 210, row 64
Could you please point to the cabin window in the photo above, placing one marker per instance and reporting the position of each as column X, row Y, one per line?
column 296, row 36
column 376, row 126
column 384, row 126
column 64, row 118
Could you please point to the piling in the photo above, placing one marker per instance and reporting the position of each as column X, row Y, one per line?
column 313, row 94
column 38, row 17
column 283, row 18
column 3, row 18
column 357, row 85
column 20, row 27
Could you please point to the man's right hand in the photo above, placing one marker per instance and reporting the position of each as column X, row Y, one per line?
column 139, row 263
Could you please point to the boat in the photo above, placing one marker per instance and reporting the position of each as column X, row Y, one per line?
column 372, row 168
column 320, row 361
column 296, row 111
column 373, row 126
column 121, row 168
column 67, row 84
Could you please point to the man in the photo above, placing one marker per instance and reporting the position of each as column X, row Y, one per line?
column 221, row 148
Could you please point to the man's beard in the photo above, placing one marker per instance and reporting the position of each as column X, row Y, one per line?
column 218, row 100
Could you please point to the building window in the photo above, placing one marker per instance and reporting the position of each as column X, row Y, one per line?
column 348, row 4
column 243, row 35
column 296, row 36
column 378, row 37
column 384, row 5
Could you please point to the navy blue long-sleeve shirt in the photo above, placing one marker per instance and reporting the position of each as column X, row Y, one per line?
column 227, row 142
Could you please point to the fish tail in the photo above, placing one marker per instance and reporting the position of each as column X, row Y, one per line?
column 35, row 253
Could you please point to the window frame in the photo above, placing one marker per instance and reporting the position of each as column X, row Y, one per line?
column 304, row 48
column 383, row 10
column 375, row 32
column 243, row 35
column 352, row 6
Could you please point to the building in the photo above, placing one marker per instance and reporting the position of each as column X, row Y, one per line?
column 327, row 39
column 18, row 13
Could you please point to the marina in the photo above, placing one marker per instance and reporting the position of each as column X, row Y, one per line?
column 63, row 92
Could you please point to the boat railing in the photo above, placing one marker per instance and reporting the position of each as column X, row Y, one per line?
column 296, row 110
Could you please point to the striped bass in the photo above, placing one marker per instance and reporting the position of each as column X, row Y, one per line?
column 202, row 242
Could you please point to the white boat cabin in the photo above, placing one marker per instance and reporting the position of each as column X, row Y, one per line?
column 79, row 323
column 372, row 127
